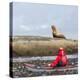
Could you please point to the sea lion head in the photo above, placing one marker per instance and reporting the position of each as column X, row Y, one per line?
column 53, row 29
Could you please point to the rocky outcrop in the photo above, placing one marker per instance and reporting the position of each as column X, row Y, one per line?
column 25, row 47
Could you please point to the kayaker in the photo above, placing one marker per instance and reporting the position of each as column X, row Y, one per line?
column 61, row 59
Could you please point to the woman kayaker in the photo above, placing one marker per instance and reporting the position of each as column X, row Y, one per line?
column 61, row 59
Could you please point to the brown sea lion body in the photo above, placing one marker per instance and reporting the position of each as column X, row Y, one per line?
column 57, row 34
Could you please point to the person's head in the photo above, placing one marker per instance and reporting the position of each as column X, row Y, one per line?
column 61, row 51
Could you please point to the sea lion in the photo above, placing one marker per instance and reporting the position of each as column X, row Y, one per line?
column 56, row 34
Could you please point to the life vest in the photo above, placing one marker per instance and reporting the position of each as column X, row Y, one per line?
column 61, row 59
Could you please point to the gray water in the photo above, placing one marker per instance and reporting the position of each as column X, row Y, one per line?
column 25, row 59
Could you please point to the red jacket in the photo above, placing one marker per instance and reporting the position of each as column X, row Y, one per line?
column 61, row 57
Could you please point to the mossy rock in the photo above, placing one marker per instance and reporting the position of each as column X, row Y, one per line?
column 50, row 52
column 69, row 50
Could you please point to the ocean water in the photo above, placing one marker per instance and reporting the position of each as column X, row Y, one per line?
column 25, row 59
